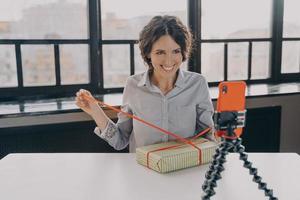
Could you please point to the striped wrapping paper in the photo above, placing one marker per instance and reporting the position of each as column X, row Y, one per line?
column 177, row 158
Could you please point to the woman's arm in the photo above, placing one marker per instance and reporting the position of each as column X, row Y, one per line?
column 116, row 134
column 88, row 104
column 205, row 111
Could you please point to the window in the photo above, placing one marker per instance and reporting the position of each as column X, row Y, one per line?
column 74, row 64
column 261, row 62
column 212, row 62
column 116, row 65
column 236, row 19
column 290, row 57
column 38, row 65
column 237, row 61
column 122, row 22
column 232, row 39
column 8, row 75
column 291, row 17
column 43, row 44
column 62, row 46
column 291, row 34
column 49, row 19
column 122, row 26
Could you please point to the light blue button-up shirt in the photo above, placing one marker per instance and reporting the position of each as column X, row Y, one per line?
column 185, row 110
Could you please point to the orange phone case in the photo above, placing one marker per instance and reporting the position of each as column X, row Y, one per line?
column 231, row 98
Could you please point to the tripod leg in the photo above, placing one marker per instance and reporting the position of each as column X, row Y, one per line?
column 239, row 148
column 215, row 169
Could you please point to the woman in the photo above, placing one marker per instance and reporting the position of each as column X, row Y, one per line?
column 164, row 95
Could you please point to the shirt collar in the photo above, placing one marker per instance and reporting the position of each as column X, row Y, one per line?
column 145, row 81
column 180, row 79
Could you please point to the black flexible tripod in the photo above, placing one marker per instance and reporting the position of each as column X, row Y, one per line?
column 228, row 122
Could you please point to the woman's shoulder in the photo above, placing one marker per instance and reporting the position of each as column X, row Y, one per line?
column 136, row 79
column 193, row 77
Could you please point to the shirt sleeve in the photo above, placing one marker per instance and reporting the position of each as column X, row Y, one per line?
column 117, row 134
column 205, row 109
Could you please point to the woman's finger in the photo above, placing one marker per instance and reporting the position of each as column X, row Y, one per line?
column 78, row 104
column 78, row 100
column 86, row 104
column 82, row 91
column 82, row 104
column 85, row 92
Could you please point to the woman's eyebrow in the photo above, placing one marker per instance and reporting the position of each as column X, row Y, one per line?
column 165, row 50
column 177, row 49
column 159, row 50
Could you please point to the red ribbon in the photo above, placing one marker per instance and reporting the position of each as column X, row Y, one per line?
column 178, row 145
column 186, row 141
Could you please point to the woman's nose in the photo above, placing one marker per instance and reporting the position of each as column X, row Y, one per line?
column 169, row 60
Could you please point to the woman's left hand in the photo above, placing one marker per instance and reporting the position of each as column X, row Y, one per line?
column 213, row 137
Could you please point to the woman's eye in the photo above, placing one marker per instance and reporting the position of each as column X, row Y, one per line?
column 159, row 53
column 177, row 51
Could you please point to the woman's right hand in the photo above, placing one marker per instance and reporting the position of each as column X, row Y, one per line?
column 86, row 102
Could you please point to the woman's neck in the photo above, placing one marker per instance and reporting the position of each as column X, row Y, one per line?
column 163, row 83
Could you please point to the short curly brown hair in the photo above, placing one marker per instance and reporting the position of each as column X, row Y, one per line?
column 160, row 26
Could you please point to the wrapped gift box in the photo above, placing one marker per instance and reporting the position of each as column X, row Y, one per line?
column 180, row 157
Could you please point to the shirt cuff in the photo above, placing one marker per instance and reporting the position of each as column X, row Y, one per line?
column 108, row 132
column 98, row 132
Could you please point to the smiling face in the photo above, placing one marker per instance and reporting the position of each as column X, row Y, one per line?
column 166, row 57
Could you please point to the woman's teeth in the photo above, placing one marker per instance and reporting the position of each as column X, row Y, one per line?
column 167, row 68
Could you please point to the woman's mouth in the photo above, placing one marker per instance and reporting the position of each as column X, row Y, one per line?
column 168, row 69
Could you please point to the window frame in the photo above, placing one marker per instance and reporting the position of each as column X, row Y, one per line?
column 96, row 42
column 285, row 77
column 276, row 41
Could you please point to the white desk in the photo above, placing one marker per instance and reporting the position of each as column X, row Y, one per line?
column 119, row 177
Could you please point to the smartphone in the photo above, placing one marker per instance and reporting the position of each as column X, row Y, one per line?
column 232, row 98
